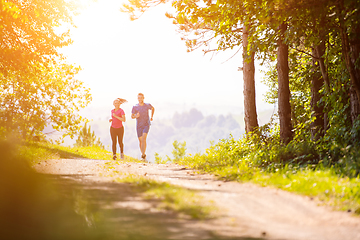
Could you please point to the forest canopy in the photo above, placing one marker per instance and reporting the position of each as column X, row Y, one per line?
column 37, row 86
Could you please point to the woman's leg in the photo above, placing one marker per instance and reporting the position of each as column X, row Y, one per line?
column 120, row 138
column 113, row 139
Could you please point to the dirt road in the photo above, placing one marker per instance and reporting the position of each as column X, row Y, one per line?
column 246, row 211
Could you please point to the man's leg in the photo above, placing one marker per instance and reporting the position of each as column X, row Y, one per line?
column 143, row 144
column 142, row 135
column 140, row 144
column 139, row 134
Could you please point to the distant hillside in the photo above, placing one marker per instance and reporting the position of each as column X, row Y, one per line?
column 190, row 126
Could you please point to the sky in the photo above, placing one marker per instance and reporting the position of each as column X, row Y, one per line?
column 121, row 58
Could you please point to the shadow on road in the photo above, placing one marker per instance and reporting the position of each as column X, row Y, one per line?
column 120, row 211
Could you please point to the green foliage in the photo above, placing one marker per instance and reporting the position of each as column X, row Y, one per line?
column 160, row 160
column 29, row 34
column 37, row 88
column 87, row 138
column 179, row 150
column 30, row 102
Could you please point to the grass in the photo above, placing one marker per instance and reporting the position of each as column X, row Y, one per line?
column 342, row 193
column 324, row 184
column 43, row 151
column 172, row 197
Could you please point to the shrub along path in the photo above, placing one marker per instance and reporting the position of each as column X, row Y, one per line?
column 244, row 211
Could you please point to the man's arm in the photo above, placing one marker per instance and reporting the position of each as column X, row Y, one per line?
column 133, row 115
column 152, row 113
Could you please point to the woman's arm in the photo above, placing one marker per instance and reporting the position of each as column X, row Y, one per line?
column 122, row 118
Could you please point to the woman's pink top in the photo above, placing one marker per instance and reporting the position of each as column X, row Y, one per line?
column 116, row 123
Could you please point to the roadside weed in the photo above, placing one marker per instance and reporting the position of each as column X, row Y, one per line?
column 178, row 199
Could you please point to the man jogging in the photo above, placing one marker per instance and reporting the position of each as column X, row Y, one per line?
column 141, row 112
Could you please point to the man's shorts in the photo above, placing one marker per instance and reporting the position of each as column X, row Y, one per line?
column 142, row 129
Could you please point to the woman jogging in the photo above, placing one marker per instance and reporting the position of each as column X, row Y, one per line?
column 117, row 128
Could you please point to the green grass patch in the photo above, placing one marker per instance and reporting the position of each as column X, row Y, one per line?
column 172, row 197
column 342, row 193
column 44, row 151
column 254, row 161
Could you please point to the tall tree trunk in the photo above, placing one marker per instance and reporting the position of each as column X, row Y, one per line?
column 350, row 48
column 354, row 76
column 317, row 81
column 284, row 89
column 354, row 105
column 319, row 52
column 355, row 60
column 250, row 118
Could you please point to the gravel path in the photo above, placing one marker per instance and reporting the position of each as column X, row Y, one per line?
column 245, row 211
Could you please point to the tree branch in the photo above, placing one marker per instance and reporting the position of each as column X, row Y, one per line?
column 305, row 53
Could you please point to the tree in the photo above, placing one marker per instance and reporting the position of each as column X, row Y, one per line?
column 87, row 138
column 28, row 34
column 52, row 96
column 251, row 122
column 317, row 81
column 348, row 16
column 37, row 86
column 284, row 88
